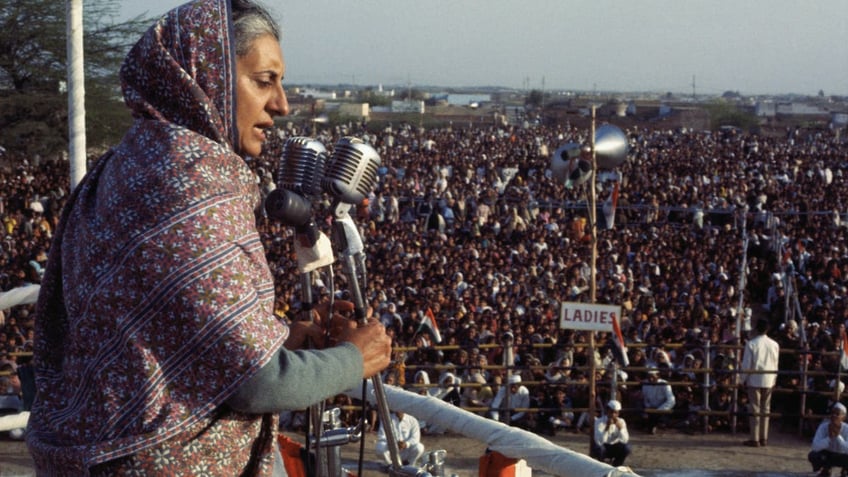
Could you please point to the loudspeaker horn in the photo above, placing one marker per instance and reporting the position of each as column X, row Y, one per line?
column 568, row 166
column 610, row 146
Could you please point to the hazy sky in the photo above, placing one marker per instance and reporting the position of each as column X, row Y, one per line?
column 750, row 46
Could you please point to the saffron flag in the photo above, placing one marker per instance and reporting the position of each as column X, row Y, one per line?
column 430, row 322
column 618, row 338
column 609, row 207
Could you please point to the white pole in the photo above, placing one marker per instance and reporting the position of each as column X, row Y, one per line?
column 513, row 442
column 76, row 93
column 593, row 276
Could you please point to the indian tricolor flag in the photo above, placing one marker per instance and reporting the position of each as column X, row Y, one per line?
column 619, row 342
column 430, row 321
column 844, row 358
column 609, row 207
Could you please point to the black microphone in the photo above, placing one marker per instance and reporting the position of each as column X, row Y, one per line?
column 351, row 171
column 288, row 207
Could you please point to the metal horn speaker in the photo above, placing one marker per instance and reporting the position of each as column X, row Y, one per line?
column 610, row 146
column 569, row 167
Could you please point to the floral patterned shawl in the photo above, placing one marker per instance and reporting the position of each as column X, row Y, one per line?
column 157, row 302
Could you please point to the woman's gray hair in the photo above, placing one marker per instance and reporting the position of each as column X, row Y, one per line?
column 251, row 21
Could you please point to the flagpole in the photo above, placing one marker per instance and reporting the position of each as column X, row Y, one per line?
column 618, row 338
column 76, row 92
column 593, row 286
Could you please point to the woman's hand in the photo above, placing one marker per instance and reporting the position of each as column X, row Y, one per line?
column 310, row 333
column 304, row 334
column 373, row 343
column 370, row 338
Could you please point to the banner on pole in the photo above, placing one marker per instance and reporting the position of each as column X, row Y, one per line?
column 587, row 316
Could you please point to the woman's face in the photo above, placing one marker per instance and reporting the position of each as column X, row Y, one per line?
column 259, row 93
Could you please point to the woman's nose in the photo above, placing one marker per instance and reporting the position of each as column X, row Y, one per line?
column 280, row 103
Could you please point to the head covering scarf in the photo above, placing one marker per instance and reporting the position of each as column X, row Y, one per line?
column 157, row 301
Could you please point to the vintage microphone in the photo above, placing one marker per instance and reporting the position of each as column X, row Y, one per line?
column 299, row 175
column 350, row 176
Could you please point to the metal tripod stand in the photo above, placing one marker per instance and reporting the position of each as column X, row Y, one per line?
column 351, row 253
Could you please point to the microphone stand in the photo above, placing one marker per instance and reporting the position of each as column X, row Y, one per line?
column 313, row 250
column 300, row 173
column 346, row 236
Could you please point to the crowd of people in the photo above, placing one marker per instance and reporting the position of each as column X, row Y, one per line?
column 469, row 239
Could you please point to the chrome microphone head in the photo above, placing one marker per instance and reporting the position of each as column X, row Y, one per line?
column 351, row 171
column 302, row 166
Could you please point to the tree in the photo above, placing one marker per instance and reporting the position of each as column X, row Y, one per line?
column 535, row 98
column 412, row 94
column 373, row 98
column 33, row 50
column 723, row 113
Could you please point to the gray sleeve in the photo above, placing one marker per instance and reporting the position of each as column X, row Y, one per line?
column 298, row 379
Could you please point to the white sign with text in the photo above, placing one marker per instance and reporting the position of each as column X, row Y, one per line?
column 587, row 316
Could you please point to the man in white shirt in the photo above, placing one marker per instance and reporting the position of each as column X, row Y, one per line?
column 656, row 395
column 519, row 398
column 830, row 444
column 759, row 374
column 611, row 439
column 407, row 433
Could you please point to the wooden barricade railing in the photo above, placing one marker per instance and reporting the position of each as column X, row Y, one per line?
column 708, row 379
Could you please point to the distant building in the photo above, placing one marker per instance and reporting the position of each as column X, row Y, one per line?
column 459, row 99
column 770, row 109
column 408, row 106
column 357, row 110
column 316, row 94
column 800, row 109
column 766, row 109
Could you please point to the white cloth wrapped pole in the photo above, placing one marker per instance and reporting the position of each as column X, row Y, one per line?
column 14, row 421
column 23, row 295
column 512, row 442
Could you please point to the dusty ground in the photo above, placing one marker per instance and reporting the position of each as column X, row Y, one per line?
column 667, row 454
